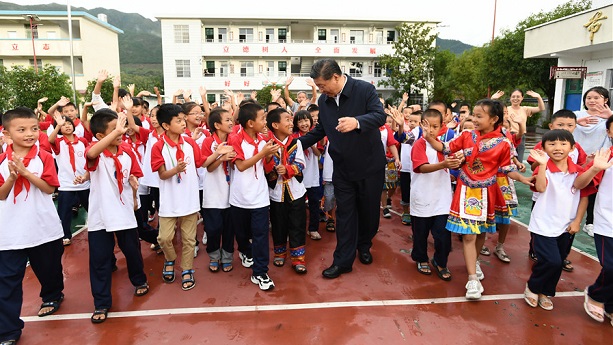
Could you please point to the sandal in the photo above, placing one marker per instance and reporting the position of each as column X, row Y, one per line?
column 300, row 268
column 442, row 273
column 141, row 290
column 545, row 302
column 594, row 311
column 330, row 227
column 485, row 251
column 8, row 342
column 533, row 257
column 189, row 280
column 502, row 255
column 168, row 275
column 54, row 305
column 315, row 235
column 530, row 297
column 227, row 266
column 610, row 316
column 66, row 242
column 423, row 268
column 99, row 312
column 567, row 266
column 278, row 261
column 214, row 266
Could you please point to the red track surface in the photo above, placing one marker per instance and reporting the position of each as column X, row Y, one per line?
column 420, row 318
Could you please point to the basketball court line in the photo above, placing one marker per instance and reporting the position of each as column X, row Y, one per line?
column 286, row 307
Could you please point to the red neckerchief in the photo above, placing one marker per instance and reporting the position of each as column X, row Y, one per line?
column 135, row 144
column 225, row 163
column 180, row 155
column 255, row 144
column 22, row 182
column 118, row 168
column 284, row 148
column 71, row 150
column 493, row 134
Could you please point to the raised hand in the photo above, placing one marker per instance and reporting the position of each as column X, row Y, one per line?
column 601, row 159
column 127, row 102
column 275, row 93
column 498, row 94
column 131, row 89
column 254, row 95
column 533, row 94
column 156, row 90
column 42, row 100
column 405, row 97
column 178, row 93
column 539, row 156
column 239, row 97
column 603, row 111
column 310, row 82
column 425, row 126
column 229, row 94
column 397, row 116
column 63, row 101
column 187, row 94
column 197, row 134
column 122, row 120
column 289, row 80
column 202, row 90
column 102, row 75
column 59, row 119
column 116, row 82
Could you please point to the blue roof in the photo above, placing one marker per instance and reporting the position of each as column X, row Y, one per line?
column 63, row 14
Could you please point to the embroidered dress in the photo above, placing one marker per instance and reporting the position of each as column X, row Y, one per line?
column 478, row 199
column 507, row 187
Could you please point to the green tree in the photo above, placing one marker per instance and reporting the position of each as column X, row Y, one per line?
column 410, row 68
column 467, row 75
column 26, row 86
column 264, row 97
column 106, row 91
column 506, row 66
column 5, row 93
column 441, row 73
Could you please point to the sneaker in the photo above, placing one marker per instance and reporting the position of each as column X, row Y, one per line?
column 263, row 281
column 386, row 213
column 389, row 202
column 150, row 217
column 485, row 251
column 204, row 238
column 501, row 254
column 589, row 229
column 406, row 219
column 196, row 249
column 245, row 261
column 480, row 274
column 474, row 289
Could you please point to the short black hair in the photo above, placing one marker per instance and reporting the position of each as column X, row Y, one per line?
column 495, row 108
column 247, row 101
column 432, row 113
column 274, row 116
column 302, row 115
column 137, row 101
column 438, row 103
column 67, row 120
column 564, row 113
column 17, row 113
column 557, row 134
column 273, row 104
column 69, row 104
column 248, row 112
column 137, row 121
column 188, row 106
column 312, row 107
column 122, row 92
column 609, row 122
column 325, row 68
column 215, row 117
column 167, row 112
column 101, row 119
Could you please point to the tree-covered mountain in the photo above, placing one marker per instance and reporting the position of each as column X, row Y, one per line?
column 140, row 43
column 453, row 46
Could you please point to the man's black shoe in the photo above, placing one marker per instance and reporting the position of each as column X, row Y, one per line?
column 365, row 257
column 335, row 271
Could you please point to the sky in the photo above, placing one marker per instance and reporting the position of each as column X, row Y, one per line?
column 469, row 21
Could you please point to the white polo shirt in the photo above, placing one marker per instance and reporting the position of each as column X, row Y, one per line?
column 178, row 196
column 603, row 208
column 199, row 169
column 431, row 193
column 556, row 207
column 108, row 209
column 65, row 173
column 406, row 145
column 328, row 169
column 150, row 177
column 248, row 189
column 216, row 183
column 30, row 219
column 296, row 189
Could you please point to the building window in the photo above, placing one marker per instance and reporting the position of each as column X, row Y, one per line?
column 245, row 35
column 270, row 35
column 391, row 37
column 282, row 35
column 210, row 97
column 321, row 35
column 51, row 35
column 223, row 68
column 209, row 34
column 246, row 68
column 183, row 69
column 377, row 69
column 334, row 35
column 31, row 30
column 222, row 34
column 356, row 69
column 356, row 36
column 181, row 33
column 209, row 71
column 270, row 68
column 12, row 34
column 39, row 62
column 282, row 68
